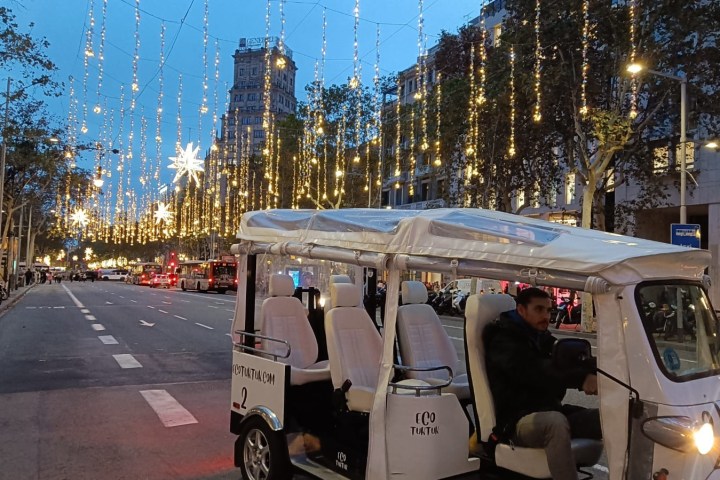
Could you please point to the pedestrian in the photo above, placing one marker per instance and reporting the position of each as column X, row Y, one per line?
column 49, row 277
column 43, row 277
column 28, row 276
column 528, row 389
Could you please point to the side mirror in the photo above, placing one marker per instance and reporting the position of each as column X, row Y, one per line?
column 569, row 352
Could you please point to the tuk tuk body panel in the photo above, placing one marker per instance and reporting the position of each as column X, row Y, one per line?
column 424, row 437
column 258, row 381
column 689, row 464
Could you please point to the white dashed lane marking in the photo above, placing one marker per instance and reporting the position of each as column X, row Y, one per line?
column 204, row 326
column 168, row 410
column 125, row 360
column 90, row 317
column 108, row 339
column 178, row 316
column 150, row 306
column 97, row 327
column 134, row 301
column 212, row 306
column 162, row 311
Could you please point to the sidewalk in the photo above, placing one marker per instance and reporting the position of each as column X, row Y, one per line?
column 15, row 297
column 688, row 345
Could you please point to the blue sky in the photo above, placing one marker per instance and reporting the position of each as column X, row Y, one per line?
column 64, row 24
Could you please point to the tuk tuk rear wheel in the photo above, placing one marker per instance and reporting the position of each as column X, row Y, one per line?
column 264, row 452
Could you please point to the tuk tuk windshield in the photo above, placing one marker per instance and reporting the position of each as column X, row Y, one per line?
column 682, row 328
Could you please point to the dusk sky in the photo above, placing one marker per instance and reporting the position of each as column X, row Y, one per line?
column 64, row 24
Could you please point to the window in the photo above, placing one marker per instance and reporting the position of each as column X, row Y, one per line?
column 258, row 120
column 661, row 158
column 497, row 33
column 241, row 72
column 259, row 133
column 254, row 71
column 689, row 155
column 399, row 195
column 520, row 199
column 569, row 188
column 440, row 188
column 425, row 191
column 252, row 97
column 385, row 198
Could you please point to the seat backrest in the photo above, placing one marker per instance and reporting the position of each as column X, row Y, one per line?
column 481, row 310
column 422, row 339
column 354, row 344
column 333, row 280
column 283, row 317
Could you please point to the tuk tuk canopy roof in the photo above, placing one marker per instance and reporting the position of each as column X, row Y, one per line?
column 476, row 234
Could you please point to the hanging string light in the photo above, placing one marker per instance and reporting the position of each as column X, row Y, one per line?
column 398, row 134
column 482, row 80
column 178, row 142
column 633, row 53
column 378, row 111
column 136, row 54
column 281, row 43
column 159, row 109
column 203, row 105
column 511, row 150
column 537, row 115
column 355, row 80
column 267, row 103
column 322, row 162
column 101, row 58
column 585, row 66
column 356, row 84
column 89, row 52
column 438, row 119
column 471, row 138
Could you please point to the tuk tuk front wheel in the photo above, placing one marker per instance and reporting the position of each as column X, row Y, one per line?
column 264, row 454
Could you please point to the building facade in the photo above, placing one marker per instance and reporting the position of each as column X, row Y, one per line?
column 242, row 124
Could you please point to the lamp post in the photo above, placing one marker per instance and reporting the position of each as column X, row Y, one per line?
column 637, row 68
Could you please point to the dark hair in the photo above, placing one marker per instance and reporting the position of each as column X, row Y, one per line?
column 526, row 296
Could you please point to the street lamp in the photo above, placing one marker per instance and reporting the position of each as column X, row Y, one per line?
column 635, row 68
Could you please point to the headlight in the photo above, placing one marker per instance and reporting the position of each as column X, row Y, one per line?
column 704, row 438
column 681, row 433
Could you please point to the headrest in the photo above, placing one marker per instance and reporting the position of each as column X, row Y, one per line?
column 281, row 285
column 414, row 292
column 345, row 295
column 340, row 279
column 486, row 308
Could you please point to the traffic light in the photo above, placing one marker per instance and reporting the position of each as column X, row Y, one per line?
column 172, row 259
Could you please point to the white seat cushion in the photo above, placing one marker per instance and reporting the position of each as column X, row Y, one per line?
column 354, row 346
column 424, row 342
column 284, row 318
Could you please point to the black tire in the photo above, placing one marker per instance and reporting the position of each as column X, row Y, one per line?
column 222, row 291
column 182, row 286
column 262, row 452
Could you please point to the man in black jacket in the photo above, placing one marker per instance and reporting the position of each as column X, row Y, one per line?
column 528, row 390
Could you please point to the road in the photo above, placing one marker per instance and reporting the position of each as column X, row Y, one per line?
column 114, row 381
column 108, row 380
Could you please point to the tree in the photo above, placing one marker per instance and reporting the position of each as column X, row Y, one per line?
column 328, row 141
column 497, row 169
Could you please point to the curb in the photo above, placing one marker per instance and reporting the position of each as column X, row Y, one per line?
column 10, row 302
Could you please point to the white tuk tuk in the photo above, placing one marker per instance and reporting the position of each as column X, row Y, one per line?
column 331, row 392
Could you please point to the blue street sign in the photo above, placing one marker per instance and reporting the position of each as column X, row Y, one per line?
column 685, row 234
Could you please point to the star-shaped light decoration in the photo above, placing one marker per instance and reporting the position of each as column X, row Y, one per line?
column 162, row 213
column 187, row 162
column 79, row 217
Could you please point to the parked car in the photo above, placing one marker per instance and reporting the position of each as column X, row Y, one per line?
column 160, row 280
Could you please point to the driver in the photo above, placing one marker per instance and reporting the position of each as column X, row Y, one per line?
column 527, row 389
